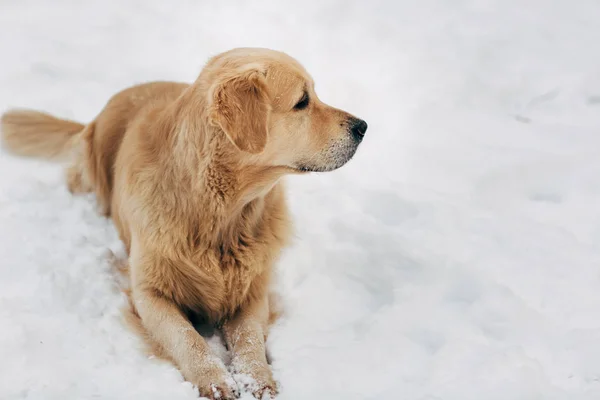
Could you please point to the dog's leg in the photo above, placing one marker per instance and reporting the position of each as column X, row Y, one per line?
column 245, row 336
column 169, row 327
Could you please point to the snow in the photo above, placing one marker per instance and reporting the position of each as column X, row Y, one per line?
column 455, row 258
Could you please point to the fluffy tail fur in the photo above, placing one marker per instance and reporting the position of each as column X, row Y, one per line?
column 36, row 134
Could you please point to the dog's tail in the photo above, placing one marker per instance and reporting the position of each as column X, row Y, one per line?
column 37, row 134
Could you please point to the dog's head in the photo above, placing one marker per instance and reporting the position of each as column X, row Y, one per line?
column 265, row 103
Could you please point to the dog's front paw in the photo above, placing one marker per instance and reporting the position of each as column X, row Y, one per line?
column 266, row 391
column 257, row 380
column 215, row 383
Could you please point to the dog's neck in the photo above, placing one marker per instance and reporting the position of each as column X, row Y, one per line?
column 227, row 192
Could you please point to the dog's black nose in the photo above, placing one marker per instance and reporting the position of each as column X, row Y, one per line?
column 358, row 127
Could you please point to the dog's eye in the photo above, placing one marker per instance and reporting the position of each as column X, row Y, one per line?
column 303, row 103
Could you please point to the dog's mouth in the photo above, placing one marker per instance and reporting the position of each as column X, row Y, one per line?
column 336, row 156
column 325, row 168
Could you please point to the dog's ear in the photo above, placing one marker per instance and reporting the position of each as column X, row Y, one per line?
column 240, row 106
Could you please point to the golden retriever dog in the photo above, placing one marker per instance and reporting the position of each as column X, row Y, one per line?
column 191, row 176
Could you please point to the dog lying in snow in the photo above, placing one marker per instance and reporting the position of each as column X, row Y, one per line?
column 191, row 176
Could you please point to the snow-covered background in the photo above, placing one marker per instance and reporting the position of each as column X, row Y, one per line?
column 456, row 257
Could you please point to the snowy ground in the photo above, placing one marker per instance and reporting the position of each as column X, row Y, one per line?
column 455, row 258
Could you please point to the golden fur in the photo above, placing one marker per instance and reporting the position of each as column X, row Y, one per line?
column 190, row 174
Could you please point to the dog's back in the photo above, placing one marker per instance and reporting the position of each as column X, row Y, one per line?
column 102, row 142
column 93, row 148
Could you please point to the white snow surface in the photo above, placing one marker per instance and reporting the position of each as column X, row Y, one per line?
column 456, row 257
